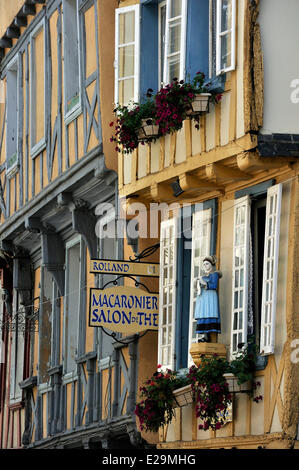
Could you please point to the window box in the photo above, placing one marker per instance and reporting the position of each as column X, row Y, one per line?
column 200, row 105
column 148, row 130
column 234, row 387
column 183, row 396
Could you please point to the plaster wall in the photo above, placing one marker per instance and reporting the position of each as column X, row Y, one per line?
column 280, row 36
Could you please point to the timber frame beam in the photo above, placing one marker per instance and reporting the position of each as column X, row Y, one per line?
column 249, row 161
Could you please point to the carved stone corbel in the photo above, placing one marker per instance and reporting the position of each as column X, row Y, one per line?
column 84, row 222
column 53, row 257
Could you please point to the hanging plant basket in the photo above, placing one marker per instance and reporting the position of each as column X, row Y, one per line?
column 148, row 130
column 183, row 396
column 199, row 105
column 234, row 387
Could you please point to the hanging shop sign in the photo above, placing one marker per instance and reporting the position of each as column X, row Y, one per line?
column 120, row 267
column 124, row 309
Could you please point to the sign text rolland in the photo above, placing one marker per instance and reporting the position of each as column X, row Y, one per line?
column 105, row 266
column 124, row 309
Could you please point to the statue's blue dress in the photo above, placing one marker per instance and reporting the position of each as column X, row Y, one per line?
column 207, row 311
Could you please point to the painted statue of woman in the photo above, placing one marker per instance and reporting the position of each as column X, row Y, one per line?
column 207, row 311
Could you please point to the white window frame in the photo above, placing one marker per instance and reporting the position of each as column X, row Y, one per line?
column 167, row 225
column 160, row 69
column 13, row 66
column 166, row 78
column 76, row 110
column 267, row 342
column 71, row 375
column 219, row 34
column 199, row 218
column 240, row 311
column 136, row 76
column 37, row 147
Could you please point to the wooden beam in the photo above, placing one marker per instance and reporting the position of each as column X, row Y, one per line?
column 224, row 173
column 252, row 161
column 190, row 182
column 27, row 10
column 161, row 192
column 20, row 21
column 5, row 42
column 12, row 32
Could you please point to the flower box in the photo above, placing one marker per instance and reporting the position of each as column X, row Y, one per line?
column 183, row 396
column 234, row 387
column 200, row 104
column 147, row 130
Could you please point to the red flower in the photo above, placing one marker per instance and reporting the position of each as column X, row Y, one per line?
column 111, row 123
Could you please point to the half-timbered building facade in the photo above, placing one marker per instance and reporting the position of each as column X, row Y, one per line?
column 234, row 185
column 63, row 384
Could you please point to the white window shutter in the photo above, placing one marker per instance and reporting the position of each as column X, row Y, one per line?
column 173, row 21
column 201, row 247
column 129, row 46
column 225, row 34
column 240, row 273
column 270, row 269
column 167, row 293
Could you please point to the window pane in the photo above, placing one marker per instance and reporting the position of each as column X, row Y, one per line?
column 176, row 8
column 175, row 38
column 162, row 38
column 126, row 27
column 174, row 67
column 126, row 61
column 226, row 15
column 226, row 51
column 126, row 91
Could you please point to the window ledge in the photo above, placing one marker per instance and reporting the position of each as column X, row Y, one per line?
column 69, row 377
column 73, row 113
column 38, row 148
column 12, row 171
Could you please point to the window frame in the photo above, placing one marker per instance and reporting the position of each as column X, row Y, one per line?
column 198, row 217
column 37, row 147
column 263, row 349
column 14, row 168
column 183, row 42
column 219, row 33
column 160, row 68
column 136, row 76
column 276, row 191
column 238, row 203
column 75, row 110
column 17, row 355
column 167, row 224
column 81, row 326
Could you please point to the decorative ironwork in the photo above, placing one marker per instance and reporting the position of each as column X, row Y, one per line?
column 146, row 252
column 23, row 321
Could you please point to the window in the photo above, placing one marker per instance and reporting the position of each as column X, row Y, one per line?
column 256, row 237
column 38, row 89
column 162, row 26
column 225, row 36
column 17, row 350
column 175, row 40
column 74, row 324
column 184, row 242
column 71, row 54
column 107, row 250
column 13, row 97
column 167, row 297
column 201, row 247
column 127, row 31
